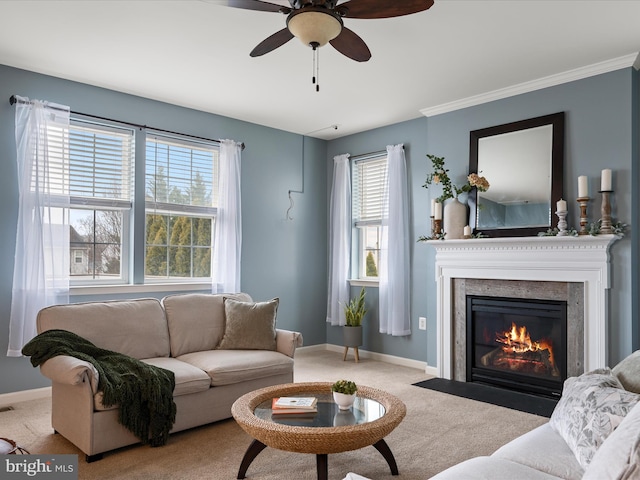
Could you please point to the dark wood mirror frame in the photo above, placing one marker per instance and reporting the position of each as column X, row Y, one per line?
column 556, row 120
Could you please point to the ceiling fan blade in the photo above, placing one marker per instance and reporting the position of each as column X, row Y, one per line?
column 271, row 43
column 351, row 45
column 383, row 8
column 251, row 5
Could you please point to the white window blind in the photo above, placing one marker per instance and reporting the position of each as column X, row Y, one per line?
column 181, row 173
column 100, row 170
column 368, row 190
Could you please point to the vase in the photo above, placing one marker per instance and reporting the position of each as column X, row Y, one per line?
column 352, row 336
column 455, row 219
column 343, row 400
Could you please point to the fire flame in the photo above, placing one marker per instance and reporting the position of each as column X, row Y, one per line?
column 518, row 340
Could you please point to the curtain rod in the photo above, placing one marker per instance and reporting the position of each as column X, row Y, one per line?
column 13, row 100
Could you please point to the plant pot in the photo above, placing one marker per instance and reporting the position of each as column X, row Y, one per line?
column 455, row 219
column 352, row 336
column 343, row 400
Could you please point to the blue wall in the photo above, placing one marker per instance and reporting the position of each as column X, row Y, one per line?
column 601, row 132
column 288, row 259
column 280, row 258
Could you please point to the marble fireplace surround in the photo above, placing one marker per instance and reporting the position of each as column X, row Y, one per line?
column 575, row 269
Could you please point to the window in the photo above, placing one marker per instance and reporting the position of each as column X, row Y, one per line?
column 181, row 199
column 98, row 178
column 368, row 209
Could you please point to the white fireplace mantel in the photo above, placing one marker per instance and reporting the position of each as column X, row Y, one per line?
column 583, row 259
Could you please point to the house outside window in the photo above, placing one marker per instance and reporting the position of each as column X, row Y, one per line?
column 368, row 208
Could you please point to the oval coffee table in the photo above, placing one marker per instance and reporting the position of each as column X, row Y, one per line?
column 372, row 417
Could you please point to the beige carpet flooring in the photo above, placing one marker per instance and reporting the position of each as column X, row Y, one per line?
column 439, row 430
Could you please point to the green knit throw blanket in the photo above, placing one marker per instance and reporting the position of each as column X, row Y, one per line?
column 143, row 392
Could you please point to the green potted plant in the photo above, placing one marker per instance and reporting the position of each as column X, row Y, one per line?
column 344, row 393
column 354, row 312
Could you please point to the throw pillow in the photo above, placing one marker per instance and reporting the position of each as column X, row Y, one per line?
column 249, row 325
column 591, row 407
column 628, row 372
column 619, row 456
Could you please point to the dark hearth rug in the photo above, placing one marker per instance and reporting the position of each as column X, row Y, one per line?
column 523, row 402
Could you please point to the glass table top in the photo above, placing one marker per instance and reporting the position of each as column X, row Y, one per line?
column 363, row 410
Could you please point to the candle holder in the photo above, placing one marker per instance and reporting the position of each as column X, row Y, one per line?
column 433, row 225
column 583, row 201
column 605, row 210
column 437, row 227
column 562, row 223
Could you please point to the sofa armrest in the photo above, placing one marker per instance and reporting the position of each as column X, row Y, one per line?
column 71, row 371
column 287, row 341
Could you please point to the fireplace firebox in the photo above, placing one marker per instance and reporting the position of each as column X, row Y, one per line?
column 519, row 344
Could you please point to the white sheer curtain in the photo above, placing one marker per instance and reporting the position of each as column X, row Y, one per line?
column 394, row 279
column 41, row 266
column 227, row 245
column 339, row 240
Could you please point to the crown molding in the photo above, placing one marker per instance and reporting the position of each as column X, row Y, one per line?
column 632, row 60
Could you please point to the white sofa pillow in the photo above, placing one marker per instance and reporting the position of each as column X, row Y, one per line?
column 591, row 407
column 619, row 456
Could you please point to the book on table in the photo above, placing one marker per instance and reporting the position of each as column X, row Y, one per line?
column 294, row 405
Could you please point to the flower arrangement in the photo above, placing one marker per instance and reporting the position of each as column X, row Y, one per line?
column 346, row 387
column 440, row 175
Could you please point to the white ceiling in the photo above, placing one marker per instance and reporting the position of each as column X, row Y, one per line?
column 195, row 53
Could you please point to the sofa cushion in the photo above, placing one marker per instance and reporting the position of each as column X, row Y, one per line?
column 189, row 379
column 225, row 367
column 196, row 321
column 137, row 328
column 249, row 325
column 628, row 372
column 491, row 468
column 619, row 456
column 543, row 449
column 591, row 407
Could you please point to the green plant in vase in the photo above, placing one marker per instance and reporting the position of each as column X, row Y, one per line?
column 355, row 310
column 346, row 387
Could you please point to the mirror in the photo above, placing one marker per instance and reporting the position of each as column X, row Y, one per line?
column 523, row 162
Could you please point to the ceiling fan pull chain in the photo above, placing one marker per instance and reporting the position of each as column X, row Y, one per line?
column 315, row 78
column 317, row 70
column 313, row 73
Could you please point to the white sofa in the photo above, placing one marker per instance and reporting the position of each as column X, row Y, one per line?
column 593, row 434
column 217, row 349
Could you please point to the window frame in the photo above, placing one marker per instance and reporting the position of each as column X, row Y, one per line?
column 123, row 205
column 166, row 208
column 358, row 247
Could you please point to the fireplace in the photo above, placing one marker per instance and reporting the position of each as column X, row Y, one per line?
column 571, row 269
column 516, row 343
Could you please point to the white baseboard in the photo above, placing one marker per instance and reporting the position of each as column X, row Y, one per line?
column 380, row 357
column 7, row 399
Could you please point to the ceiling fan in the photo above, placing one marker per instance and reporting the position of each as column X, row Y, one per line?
column 318, row 22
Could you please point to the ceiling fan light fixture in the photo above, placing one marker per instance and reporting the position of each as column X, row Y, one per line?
column 314, row 26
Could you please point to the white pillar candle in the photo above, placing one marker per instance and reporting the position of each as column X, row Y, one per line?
column 605, row 181
column 467, row 231
column 583, row 187
column 433, row 207
column 561, row 206
column 438, row 211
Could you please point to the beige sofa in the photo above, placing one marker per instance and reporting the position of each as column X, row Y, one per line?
column 181, row 333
